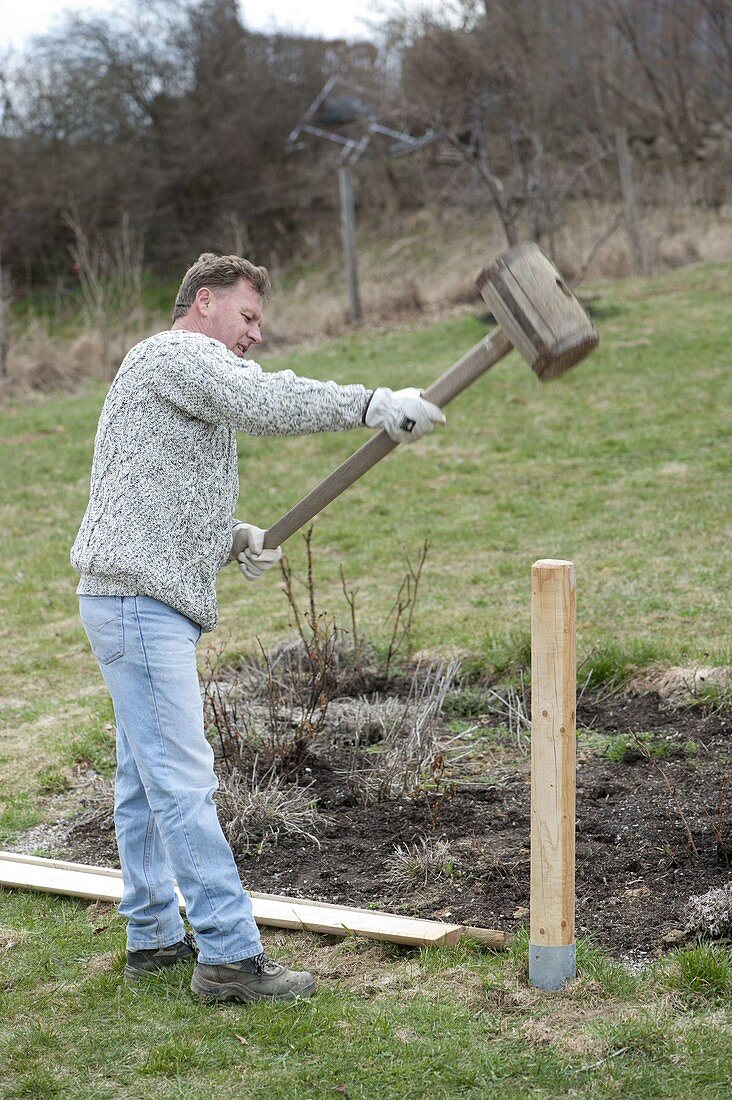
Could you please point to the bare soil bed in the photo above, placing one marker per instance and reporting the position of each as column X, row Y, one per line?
column 654, row 826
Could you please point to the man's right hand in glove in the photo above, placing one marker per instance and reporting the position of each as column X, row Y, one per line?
column 404, row 414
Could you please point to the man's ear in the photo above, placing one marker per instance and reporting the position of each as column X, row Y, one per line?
column 204, row 297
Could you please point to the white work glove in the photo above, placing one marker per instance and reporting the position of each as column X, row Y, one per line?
column 404, row 414
column 247, row 550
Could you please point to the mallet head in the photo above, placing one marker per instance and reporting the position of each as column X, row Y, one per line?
column 537, row 311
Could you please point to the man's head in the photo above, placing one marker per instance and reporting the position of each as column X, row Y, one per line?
column 221, row 296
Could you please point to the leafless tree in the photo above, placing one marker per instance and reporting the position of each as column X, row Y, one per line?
column 174, row 114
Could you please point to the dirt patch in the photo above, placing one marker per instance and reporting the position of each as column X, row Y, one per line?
column 654, row 827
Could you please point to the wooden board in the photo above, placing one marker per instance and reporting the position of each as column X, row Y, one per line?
column 105, row 884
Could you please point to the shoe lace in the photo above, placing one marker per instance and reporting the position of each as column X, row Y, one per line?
column 190, row 941
column 263, row 964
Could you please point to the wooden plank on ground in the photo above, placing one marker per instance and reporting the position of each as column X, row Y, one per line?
column 275, row 910
column 64, row 864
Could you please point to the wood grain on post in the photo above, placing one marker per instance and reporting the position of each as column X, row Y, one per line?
column 553, row 766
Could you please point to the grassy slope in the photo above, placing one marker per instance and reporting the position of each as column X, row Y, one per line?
column 620, row 466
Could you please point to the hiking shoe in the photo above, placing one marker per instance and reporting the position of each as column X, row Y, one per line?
column 257, row 979
column 140, row 963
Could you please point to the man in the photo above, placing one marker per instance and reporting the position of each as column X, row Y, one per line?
column 158, row 527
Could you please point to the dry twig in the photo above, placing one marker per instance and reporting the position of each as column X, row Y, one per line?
column 643, row 750
column 404, row 605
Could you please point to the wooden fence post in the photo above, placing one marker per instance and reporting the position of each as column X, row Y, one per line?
column 552, row 959
column 348, row 232
column 630, row 207
column 3, row 324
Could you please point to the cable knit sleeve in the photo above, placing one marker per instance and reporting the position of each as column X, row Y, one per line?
column 202, row 378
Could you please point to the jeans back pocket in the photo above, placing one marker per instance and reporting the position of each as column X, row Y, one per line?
column 102, row 619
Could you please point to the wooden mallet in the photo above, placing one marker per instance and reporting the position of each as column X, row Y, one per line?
column 538, row 314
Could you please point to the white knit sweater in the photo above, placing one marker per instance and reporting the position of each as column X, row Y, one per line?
column 164, row 479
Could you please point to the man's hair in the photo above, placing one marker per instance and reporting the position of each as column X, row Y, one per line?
column 213, row 271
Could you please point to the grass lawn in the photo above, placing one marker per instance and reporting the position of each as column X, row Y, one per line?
column 623, row 465
column 387, row 1022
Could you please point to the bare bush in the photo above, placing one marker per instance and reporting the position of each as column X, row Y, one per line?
column 235, row 713
column 303, row 677
column 682, row 686
column 363, row 721
column 258, row 811
column 87, row 355
column 298, row 699
column 512, row 706
column 278, row 709
column 395, row 303
column 293, row 660
column 403, row 609
column 109, row 268
column 299, row 680
column 275, row 708
column 268, row 708
column 410, row 747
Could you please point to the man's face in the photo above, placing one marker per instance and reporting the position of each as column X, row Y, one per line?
column 232, row 315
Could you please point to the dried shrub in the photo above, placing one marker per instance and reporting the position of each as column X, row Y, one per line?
column 710, row 914
column 410, row 748
column 235, row 713
column 679, row 251
column 462, row 292
column 403, row 609
column 38, row 362
column 513, row 708
column 273, row 711
column 260, row 811
column 427, row 859
column 87, row 354
column 277, row 707
column 299, row 697
column 334, row 664
column 686, row 686
column 403, row 302
column 360, row 721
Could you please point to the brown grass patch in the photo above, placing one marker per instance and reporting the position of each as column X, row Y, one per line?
column 429, row 269
column 367, row 968
column 99, row 964
column 38, row 362
column 12, row 937
column 682, row 685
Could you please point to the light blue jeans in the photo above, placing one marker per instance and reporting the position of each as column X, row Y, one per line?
column 164, row 813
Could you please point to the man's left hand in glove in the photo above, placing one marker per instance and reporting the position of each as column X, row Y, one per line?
column 248, row 550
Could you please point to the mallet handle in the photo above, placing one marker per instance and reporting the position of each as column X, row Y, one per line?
column 456, row 378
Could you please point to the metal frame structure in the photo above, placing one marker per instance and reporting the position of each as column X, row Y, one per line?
column 352, row 151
